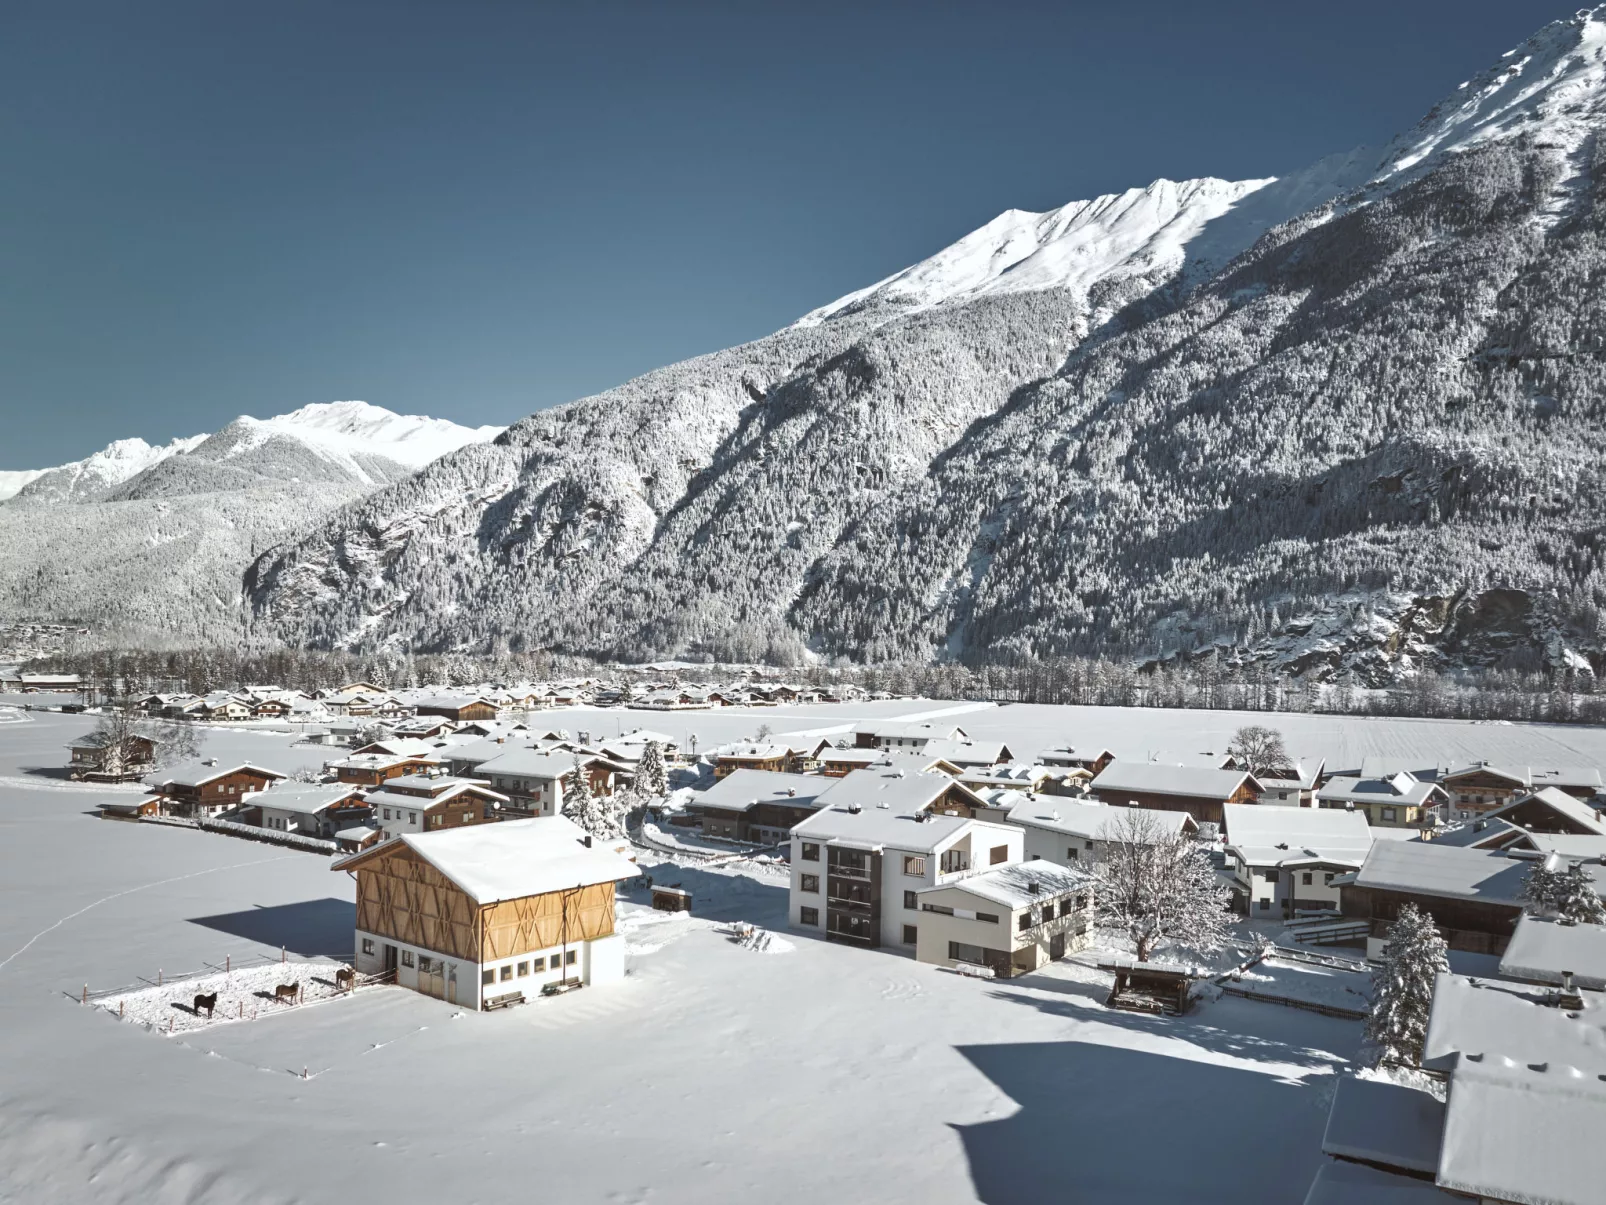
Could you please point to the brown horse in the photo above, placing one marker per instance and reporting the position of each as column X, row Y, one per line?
column 206, row 1002
column 345, row 979
column 288, row 991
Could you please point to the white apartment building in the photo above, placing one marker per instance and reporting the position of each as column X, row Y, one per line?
column 857, row 871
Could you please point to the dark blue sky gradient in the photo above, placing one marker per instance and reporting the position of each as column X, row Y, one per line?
column 475, row 210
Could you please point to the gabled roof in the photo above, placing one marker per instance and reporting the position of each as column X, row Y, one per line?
column 202, row 771
column 900, row 789
column 1518, row 776
column 532, row 763
column 1542, row 948
column 384, row 797
column 509, row 861
column 742, row 790
column 756, row 752
column 1153, row 778
column 1516, row 1130
column 1488, row 1016
column 1428, row 868
column 876, row 828
column 1011, row 885
column 1270, row 836
column 1088, row 818
column 1384, row 1123
column 912, row 730
column 1556, row 800
column 310, row 798
column 1403, row 789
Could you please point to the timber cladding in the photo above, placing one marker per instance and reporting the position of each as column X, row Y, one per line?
column 400, row 895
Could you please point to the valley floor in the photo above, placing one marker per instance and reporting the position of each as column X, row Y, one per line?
column 714, row 1072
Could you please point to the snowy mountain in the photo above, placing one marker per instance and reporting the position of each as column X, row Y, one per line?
column 1342, row 422
column 151, row 541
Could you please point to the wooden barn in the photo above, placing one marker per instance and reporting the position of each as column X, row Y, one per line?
column 457, row 708
column 489, row 915
column 1201, row 791
column 202, row 789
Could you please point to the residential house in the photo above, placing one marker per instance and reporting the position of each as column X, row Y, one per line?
column 1072, row 757
column 905, row 736
column 417, row 804
column 1582, row 782
column 1011, row 776
column 198, row 790
column 1482, row 787
column 1551, row 811
column 904, row 789
column 375, row 769
column 1077, row 833
column 102, row 759
column 457, row 708
column 1556, row 953
column 1011, row 919
column 30, row 684
column 311, row 809
column 532, row 779
column 1200, row 791
column 834, row 763
column 1292, row 785
column 772, row 756
column 1402, row 801
column 857, row 871
column 759, row 805
column 1473, row 895
column 1285, row 859
column 487, row 916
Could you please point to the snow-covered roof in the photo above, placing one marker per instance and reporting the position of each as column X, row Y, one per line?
column 1402, row 788
column 1087, row 818
column 899, row 789
column 1428, row 868
column 1572, row 845
column 741, row 790
column 1141, row 777
column 756, row 752
column 530, row 763
column 1384, row 1123
column 911, row 730
column 1270, row 836
column 382, row 761
column 1518, row 776
column 1490, row 1016
column 966, row 752
column 1567, row 776
column 1525, row 1131
column 1011, row 886
column 1481, row 832
column 202, row 771
column 1542, row 948
column 452, row 702
column 508, row 861
column 309, row 798
column 1565, row 806
column 451, row 788
column 873, row 828
column 855, row 755
column 1388, row 767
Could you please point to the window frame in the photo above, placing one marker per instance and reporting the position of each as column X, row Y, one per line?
column 914, row 866
column 809, row 883
column 808, row 916
column 809, row 851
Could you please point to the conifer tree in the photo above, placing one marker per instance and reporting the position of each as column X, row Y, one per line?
column 1402, row 987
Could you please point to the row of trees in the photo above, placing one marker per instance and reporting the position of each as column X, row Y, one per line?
column 1204, row 682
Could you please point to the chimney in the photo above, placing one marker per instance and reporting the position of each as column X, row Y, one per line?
column 1034, row 887
column 855, row 808
column 588, row 840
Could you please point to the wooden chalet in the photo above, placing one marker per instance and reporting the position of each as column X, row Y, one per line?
column 457, row 708
column 418, row 803
column 489, row 916
column 771, row 757
column 1201, row 791
column 202, row 789
column 377, row 768
column 122, row 760
column 758, row 805
column 1482, row 787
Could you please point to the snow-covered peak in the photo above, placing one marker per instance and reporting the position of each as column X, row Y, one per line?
column 362, row 428
column 119, row 461
column 1073, row 247
column 1553, row 86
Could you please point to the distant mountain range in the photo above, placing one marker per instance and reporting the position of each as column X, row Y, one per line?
column 1344, row 422
column 150, row 542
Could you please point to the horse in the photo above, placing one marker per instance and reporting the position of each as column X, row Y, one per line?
column 288, row 991
column 345, row 979
column 206, row 1002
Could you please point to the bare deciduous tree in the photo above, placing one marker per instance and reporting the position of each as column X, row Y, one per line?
column 1258, row 749
column 1157, row 884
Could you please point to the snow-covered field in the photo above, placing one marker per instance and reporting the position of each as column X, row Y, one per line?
column 720, row 1069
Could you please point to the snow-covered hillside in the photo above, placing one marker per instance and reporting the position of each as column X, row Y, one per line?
column 143, row 540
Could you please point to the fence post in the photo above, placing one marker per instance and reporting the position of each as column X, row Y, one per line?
column 228, row 963
column 84, row 999
column 158, row 976
column 119, row 1010
column 282, row 958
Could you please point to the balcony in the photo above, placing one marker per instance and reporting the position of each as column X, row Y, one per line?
column 862, row 871
column 855, row 897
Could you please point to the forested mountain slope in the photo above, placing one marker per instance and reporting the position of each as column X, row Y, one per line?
column 1370, row 441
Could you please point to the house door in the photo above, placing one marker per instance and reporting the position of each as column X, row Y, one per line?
column 451, row 984
column 390, row 957
column 1056, row 947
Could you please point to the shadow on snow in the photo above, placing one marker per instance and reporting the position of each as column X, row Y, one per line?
column 309, row 927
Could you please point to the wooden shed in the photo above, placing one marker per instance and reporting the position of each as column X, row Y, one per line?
column 1149, row 987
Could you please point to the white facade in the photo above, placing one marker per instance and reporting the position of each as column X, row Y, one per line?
column 461, row 982
column 940, row 849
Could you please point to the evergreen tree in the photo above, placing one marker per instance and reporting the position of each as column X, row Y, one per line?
column 652, row 778
column 1577, row 899
column 1402, row 987
column 1544, row 887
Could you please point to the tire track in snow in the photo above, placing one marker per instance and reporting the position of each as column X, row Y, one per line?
column 130, row 891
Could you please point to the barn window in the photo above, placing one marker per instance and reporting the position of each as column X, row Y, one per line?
column 367, row 945
column 407, row 958
column 539, row 965
column 487, row 977
column 524, row 969
column 507, row 972
column 1071, row 853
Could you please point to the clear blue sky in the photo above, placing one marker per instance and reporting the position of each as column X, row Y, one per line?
column 476, row 210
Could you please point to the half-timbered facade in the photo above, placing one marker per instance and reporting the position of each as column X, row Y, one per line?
column 487, row 916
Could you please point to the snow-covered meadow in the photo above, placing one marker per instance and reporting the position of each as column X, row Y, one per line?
column 720, row 1069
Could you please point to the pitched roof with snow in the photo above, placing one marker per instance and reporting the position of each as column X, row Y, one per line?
column 741, row 790
column 1542, row 949
column 512, row 860
column 1428, row 868
column 1402, row 789
column 1384, row 1123
column 898, row 788
column 309, row 797
column 1270, row 836
column 531, row 763
column 875, row 828
column 1087, row 818
column 1564, row 805
column 1482, row 1016
column 202, row 771
column 1155, row 779
column 1011, row 886
column 450, row 789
